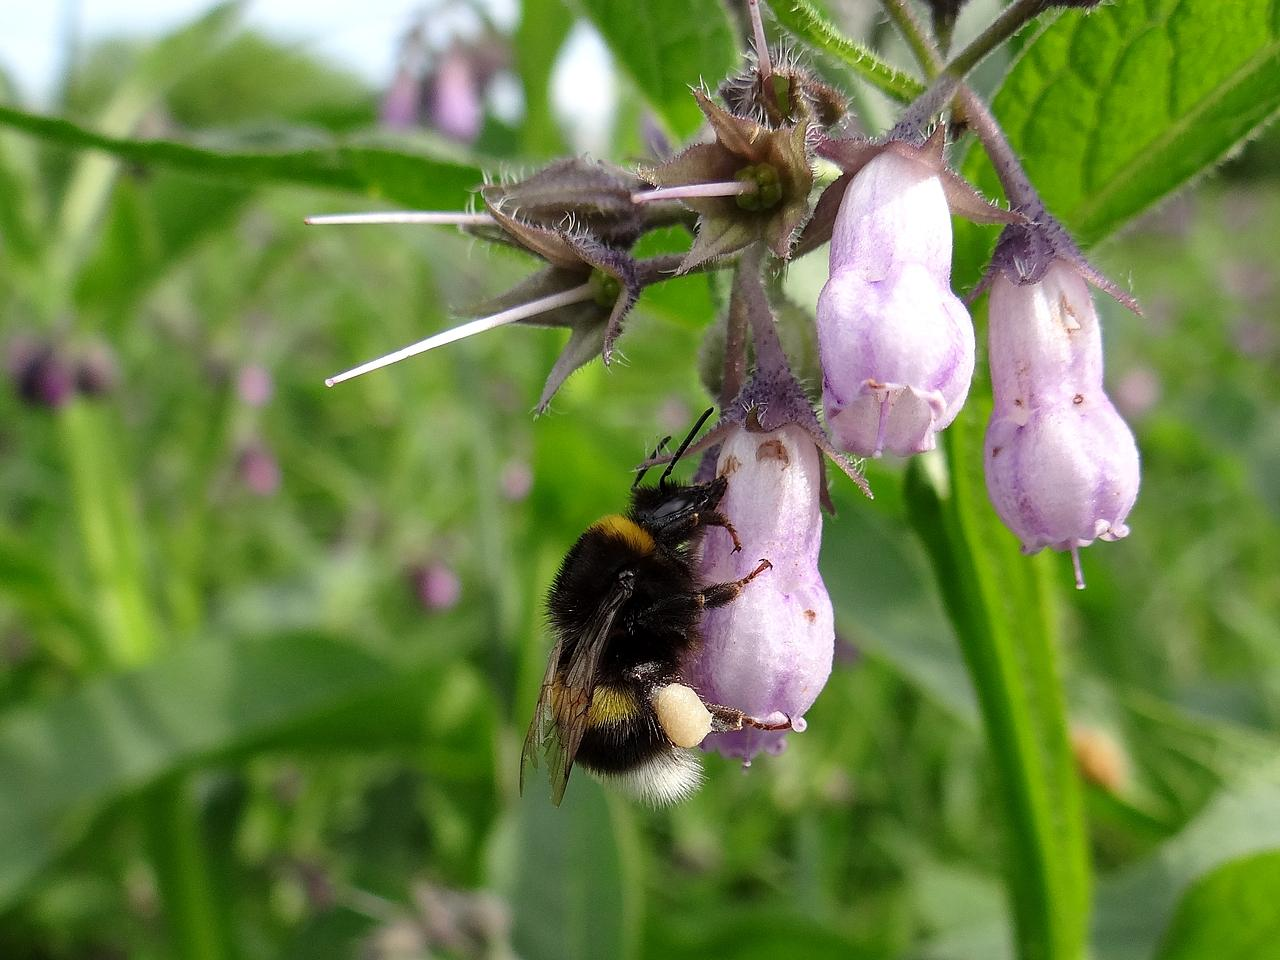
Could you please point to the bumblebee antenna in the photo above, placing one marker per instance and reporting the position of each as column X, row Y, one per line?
column 656, row 450
column 684, row 445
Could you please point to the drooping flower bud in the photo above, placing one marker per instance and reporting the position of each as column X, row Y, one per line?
column 897, row 346
column 1061, row 465
column 769, row 651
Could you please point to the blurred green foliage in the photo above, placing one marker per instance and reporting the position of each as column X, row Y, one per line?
column 230, row 727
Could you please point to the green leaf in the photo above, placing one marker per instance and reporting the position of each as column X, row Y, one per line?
column 61, row 760
column 1230, row 913
column 1134, row 908
column 888, row 608
column 544, row 25
column 395, row 174
column 1114, row 110
column 1000, row 609
column 570, row 873
column 666, row 46
column 750, row 933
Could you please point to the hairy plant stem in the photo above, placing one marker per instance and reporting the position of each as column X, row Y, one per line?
column 1013, row 178
column 805, row 21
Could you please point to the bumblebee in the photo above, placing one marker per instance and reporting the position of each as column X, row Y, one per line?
column 625, row 609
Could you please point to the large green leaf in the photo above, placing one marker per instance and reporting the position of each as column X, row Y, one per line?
column 1230, row 913
column 885, row 604
column 389, row 172
column 62, row 759
column 665, row 46
column 571, row 873
column 1134, row 908
column 1114, row 110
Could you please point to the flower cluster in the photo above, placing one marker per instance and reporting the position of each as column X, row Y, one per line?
column 895, row 344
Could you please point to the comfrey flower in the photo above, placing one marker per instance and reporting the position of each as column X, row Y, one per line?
column 1061, row 465
column 897, row 346
column 770, row 651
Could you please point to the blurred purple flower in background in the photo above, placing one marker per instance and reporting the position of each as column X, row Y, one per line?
column 258, row 469
column 41, row 374
column 436, row 586
column 454, row 104
column 254, row 385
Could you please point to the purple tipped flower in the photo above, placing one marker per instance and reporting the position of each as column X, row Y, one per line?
column 896, row 344
column 771, row 649
column 1061, row 465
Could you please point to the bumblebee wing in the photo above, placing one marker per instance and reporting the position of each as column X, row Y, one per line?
column 540, row 726
column 560, row 718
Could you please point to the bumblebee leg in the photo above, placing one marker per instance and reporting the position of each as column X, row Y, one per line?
column 727, row 719
column 717, row 519
column 719, row 594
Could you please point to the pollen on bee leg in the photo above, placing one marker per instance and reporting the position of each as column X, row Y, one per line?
column 684, row 717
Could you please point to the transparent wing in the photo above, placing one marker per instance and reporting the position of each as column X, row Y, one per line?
column 560, row 717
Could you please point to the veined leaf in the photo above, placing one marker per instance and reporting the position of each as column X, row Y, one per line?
column 1113, row 110
column 395, row 174
column 665, row 46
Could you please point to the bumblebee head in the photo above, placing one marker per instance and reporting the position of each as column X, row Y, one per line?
column 669, row 508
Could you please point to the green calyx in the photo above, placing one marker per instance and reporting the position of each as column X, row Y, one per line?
column 605, row 288
column 768, row 192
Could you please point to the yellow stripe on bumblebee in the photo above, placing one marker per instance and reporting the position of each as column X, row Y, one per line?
column 626, row 530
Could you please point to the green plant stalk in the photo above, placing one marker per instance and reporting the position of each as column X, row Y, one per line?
column 109, row 530
column 176, row 846
column 915, row 36
column 109, row 524
column 804, row 20
column 999, row 603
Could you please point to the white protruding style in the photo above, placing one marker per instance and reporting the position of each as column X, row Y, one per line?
column 694, row 191
column 439, row 217
column 531, row 309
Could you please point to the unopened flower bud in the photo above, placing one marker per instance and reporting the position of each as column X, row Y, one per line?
column 1061, row 465
column 770, row 650
column 897, row 346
